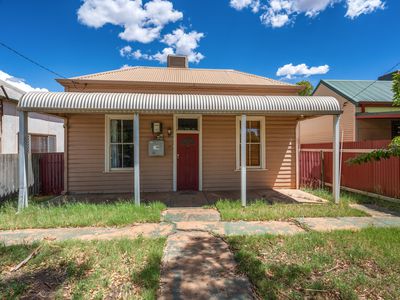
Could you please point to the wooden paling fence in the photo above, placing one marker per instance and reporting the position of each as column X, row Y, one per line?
column 45, row 174
column 381, row 177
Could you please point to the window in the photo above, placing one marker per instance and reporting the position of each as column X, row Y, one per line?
column 255, row 145
column 395, row 128
column 188, row 124
column 39, row 143
column 119, row 148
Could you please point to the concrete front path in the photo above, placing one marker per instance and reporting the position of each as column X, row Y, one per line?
column 198, row 265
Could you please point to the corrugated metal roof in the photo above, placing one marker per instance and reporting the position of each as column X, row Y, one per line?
column 363, row 90
column 182, row 76
column 169, row 103
column 9, row 91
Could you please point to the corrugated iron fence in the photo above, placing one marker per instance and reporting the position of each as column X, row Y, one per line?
column 46, row 174
column 381, row 177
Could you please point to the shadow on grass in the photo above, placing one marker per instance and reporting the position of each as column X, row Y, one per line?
column 42, row 283
column 147, row 278
column 278, row 280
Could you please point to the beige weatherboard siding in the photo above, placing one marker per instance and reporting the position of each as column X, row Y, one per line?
column 319, row 130
column 219, row 154
column 86, row 156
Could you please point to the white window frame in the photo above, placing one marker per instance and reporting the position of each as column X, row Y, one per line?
column 261, row 119
column 107, row 157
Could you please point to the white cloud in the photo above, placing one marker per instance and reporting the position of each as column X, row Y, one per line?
column 125, row 51
column 184, row 43
column 125, row 66
column 289, row 71
column 162, row 56
column 128, row 52
column 356, row 8
column 141, row 23
column 274, row 19
column 241, row 4
column 178, row 42
column 19, row 83
column 278, row 13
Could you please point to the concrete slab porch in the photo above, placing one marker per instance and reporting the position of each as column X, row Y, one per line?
column 197, row 198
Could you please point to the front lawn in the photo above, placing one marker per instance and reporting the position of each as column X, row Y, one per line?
column 335, row 265
column 78, row 214
column 260, row 210
column 114, row 269
column 349, row 197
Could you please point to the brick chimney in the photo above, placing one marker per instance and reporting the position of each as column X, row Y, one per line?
column 177, row 61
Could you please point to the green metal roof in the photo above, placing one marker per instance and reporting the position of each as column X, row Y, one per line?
column 362, row 90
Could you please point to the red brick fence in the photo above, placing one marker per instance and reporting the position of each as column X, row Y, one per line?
column 381, row 177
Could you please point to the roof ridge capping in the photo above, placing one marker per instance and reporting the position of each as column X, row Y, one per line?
column 112, row 75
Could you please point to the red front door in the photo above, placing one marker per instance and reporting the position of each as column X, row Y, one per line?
column 187, row 162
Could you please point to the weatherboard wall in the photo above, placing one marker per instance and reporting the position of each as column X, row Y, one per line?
column 86, row 156
column 320, row 129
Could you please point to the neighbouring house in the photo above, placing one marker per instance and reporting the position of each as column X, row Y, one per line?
column 368, row 112
column 46, row 132
column 174, row 128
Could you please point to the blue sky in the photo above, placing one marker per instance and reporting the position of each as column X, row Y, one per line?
column 345, row 39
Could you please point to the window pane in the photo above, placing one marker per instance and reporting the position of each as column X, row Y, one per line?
column 115, row 131
column 39, row 144
column 128, row 156
column 127, row 131
column 253, row 146
column 52, row 143
column 252, row 131
column 255, row 132
column 253, row 155
column 116, row 156
column 187, row 124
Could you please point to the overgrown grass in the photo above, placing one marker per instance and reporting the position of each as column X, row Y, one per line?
column 335, row 265
column 260, row 210
column 116, row 269
column 78, row 214
column 349, row 197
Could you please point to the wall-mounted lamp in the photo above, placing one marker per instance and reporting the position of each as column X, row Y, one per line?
column 169, row 131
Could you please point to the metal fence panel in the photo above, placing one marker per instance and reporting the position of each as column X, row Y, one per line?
column 382, row 177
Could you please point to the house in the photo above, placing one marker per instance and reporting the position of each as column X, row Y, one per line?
column 368, row 112
column 46, row 132
column 174, row 128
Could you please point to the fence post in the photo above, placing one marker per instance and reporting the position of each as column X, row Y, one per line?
column 23, row 160
column 322, row 161
column 335, row 160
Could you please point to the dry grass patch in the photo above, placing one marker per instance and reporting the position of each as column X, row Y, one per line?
column 335, row 265
column 117, row 269
column 262, row 211
column 78, row 214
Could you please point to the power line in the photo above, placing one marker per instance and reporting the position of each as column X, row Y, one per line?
column 390, row 70
column 31, row 60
